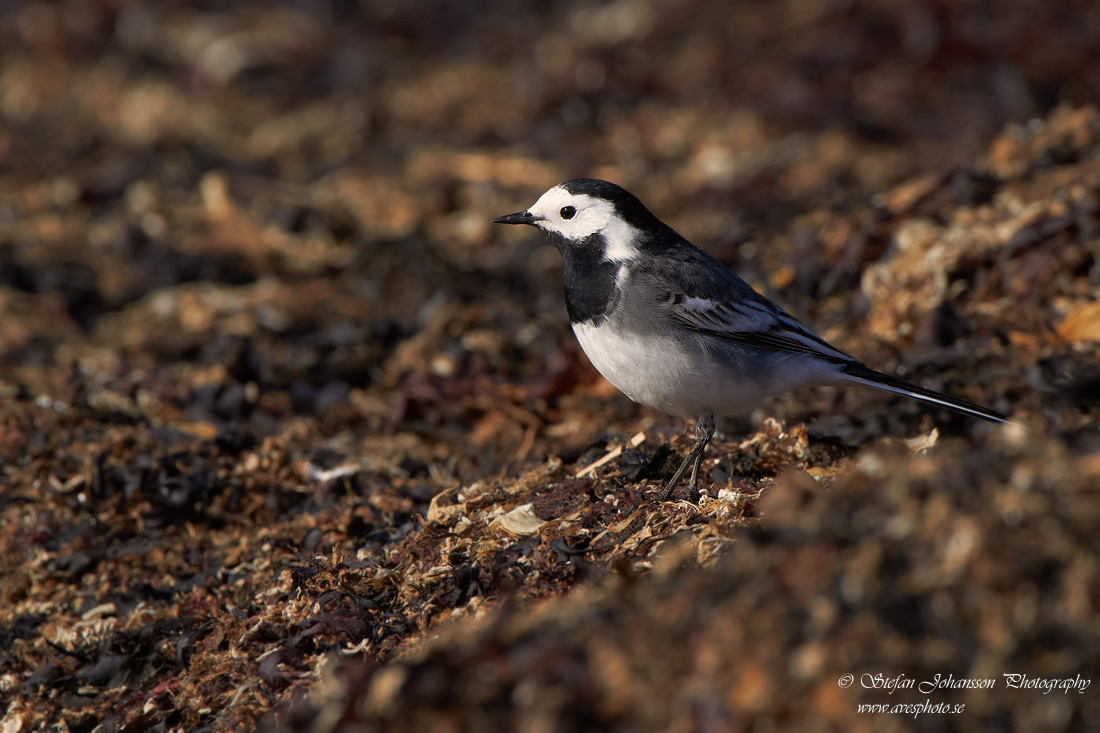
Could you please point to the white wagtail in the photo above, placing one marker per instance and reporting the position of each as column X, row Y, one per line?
column 673, row 328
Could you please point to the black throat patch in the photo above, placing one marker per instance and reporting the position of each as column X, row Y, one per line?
column 590, row 289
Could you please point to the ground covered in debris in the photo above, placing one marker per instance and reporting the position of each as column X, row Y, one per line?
column 293, row 439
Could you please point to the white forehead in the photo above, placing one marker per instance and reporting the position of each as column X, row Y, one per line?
column 593, row 215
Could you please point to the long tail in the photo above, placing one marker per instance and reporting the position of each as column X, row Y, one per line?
column 857, row 373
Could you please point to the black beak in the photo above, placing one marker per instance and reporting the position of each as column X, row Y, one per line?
column 523, row 217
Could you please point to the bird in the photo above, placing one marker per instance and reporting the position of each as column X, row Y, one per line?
column 673, row 328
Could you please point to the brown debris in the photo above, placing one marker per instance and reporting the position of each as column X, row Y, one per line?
column 291, row 438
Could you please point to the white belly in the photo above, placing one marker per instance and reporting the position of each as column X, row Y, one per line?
column 662, row 374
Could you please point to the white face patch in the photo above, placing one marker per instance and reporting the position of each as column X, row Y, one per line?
column 590, row 215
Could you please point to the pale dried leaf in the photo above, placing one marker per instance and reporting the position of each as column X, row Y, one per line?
column 520, row 521
column 923, row 443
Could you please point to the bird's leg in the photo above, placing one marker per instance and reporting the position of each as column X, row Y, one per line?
column 704, row 431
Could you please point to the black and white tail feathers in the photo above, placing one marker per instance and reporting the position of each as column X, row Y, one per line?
column 860, row 374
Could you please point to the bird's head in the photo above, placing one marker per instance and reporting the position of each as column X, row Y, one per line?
column 590, row 213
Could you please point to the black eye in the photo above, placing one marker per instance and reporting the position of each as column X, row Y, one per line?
column 567, row 212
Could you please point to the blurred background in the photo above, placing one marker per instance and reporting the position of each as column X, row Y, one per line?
column 292, row 190
column 267, row 370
